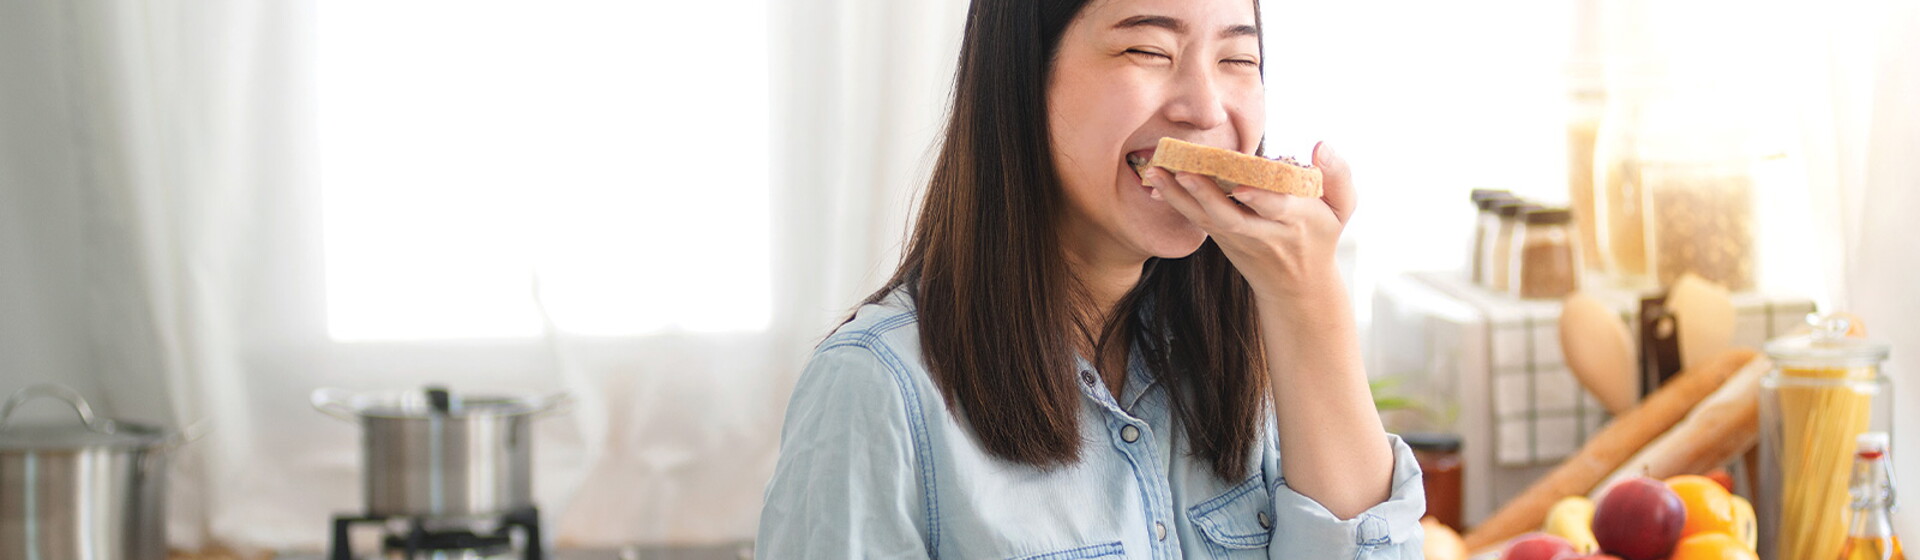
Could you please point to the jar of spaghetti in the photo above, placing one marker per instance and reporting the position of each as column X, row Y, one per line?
column 1825, row 389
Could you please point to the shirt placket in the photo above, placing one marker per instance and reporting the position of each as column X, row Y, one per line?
column 1134, row 439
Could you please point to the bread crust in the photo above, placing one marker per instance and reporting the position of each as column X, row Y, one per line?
column 1230, row 168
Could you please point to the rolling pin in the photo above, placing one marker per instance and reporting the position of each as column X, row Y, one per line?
column 1608, row 449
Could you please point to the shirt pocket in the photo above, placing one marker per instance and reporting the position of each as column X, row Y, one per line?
column 1108, row 550
column 1238, row 523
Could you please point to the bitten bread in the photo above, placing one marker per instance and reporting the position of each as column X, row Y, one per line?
column 1230, row 168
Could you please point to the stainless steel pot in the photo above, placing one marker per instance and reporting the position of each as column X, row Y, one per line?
column 434, row 453
column 91, row 491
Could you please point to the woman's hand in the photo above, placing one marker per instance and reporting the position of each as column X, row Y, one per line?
column 1283, row 244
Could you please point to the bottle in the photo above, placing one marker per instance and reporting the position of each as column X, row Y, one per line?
column 1870, row 536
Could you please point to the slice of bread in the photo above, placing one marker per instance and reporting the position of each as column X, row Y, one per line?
column 1230, row 168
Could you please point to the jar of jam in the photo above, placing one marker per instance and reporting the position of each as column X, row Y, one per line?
column 1441, row 467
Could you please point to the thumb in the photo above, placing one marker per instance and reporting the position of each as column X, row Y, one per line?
column 1336, row 181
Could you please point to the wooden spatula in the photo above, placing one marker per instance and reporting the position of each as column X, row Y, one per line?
column 1599, row 350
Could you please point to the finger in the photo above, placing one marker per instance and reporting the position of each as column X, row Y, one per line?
column 1177, row 197
column 1279, row 207
column 1225, row 214
column 1336, row 182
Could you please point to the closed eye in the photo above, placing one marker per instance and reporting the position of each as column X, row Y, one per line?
column 1149, row 54
column 1243, row 62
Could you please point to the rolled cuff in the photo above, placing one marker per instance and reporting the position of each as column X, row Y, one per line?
column 1390, row 529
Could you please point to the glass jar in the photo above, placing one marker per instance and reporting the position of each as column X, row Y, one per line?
column 1499, row 246
column 1486, row 224
column 1546, row 255
column 1700, row 220
column 1441, row 468
column 1586, row 104
column 1825, row 389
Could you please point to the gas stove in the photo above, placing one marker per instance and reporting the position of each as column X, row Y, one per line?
column 514, row 535
column 724, row 551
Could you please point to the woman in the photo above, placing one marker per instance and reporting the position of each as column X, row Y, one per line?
column 1074, row 360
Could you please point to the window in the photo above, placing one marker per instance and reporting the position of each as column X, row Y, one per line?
column 607, row 153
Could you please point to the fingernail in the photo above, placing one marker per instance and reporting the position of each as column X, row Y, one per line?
column 1325, row 153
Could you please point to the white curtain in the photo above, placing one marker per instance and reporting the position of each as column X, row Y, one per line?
column 162, row 253
column 1872, row 53
column 160, row 244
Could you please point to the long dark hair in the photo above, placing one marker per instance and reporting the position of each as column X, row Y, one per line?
column 997, row 304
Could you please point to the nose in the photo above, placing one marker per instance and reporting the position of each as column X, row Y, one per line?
column 1196, row 100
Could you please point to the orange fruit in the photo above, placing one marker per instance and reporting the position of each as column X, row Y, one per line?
column 1709, row 505
column 1711, row 546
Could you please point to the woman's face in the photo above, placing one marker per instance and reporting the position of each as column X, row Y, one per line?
column 1127, row 73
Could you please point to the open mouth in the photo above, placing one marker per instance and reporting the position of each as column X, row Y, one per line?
column 1138, row 160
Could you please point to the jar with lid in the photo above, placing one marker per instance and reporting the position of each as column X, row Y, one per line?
column 1824, row 390
column 1486, row 224
column 1683, row 140
column 1499, row 246
column 1546, row 255
column 1441, row 468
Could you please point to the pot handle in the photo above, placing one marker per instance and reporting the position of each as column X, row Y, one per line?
column 557, row 402
column 192, row 433
column 334, row 402
column 62, row 392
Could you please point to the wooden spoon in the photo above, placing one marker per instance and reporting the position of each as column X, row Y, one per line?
column 1705, row 315
column 1599, row 350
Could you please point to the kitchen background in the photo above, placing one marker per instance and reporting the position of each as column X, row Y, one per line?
column 210, row 208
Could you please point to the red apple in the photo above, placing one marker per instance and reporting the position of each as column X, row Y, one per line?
column 1723, row 477
column 1594, row 556
column 1537, row 546
column 1639, row 519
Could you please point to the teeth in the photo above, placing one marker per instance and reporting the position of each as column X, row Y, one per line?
column 1136, row 160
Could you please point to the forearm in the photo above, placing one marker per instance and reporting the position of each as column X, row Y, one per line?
column 1333, row 448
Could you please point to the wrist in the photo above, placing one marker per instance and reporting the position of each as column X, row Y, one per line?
column 1315, row 287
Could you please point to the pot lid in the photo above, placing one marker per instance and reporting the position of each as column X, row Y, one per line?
column 431, row 401
column 89, row 431
column 15, row 437
column 1827, row 345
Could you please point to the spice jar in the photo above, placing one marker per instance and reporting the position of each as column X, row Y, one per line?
column 1499, row 247
column 1825, row 389
column 1546, row 257
column 1441, row 469
column 1486, row 224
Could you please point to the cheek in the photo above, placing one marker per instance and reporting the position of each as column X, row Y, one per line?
column 1091, row 116
column 1251, row 118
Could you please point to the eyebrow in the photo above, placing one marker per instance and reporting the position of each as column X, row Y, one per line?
column 1178, row 26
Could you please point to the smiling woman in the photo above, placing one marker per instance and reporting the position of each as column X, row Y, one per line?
column 1078, row 360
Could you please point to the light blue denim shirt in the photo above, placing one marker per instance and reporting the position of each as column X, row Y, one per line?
column 873, row 464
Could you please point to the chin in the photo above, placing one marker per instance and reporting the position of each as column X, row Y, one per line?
column 1173, row 241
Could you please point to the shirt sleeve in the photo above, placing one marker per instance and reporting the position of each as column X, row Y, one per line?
column 846, row 484
column 1389, row 530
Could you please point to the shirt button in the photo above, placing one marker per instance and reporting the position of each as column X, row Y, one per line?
column 1159, row 531
column 1087, row 377
column 1130, row 434
column 1265, row 522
